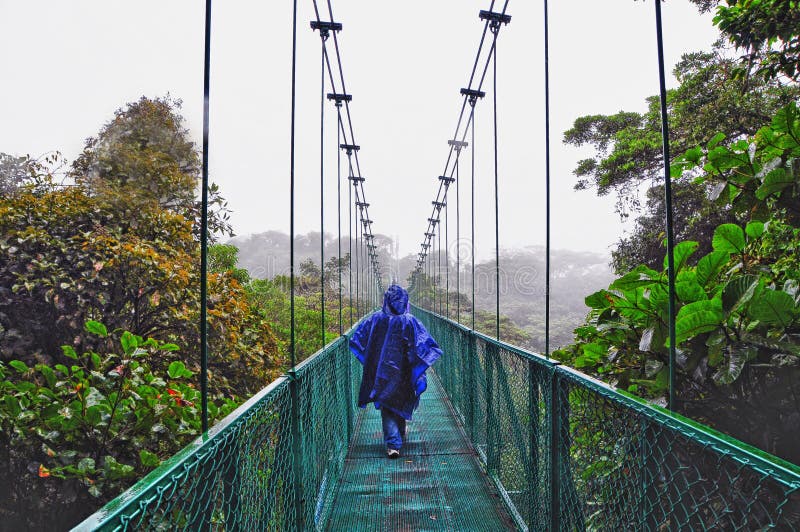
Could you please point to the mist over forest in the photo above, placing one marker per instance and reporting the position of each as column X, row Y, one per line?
column 574, row 274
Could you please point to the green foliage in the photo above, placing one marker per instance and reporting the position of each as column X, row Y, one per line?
column 628, row 155
column 118, row 251
column 100, row 421
column 122, row 247
column 224, row 258
column 769, row 32
column 738, row 310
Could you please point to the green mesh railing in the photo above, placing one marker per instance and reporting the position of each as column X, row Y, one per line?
column 568, row 452
column 243, row 475
column 564, row 451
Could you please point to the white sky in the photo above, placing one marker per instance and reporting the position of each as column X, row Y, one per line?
column 68, row 65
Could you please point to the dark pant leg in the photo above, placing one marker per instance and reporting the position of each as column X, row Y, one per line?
column 394, row 429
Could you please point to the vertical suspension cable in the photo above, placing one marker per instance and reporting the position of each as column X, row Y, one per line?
column 297, row 465
column 323, row 36
column 667, row 203
column 350, row 237
column 496, row 198
column 458, row 245
column 472, row 218
column 446, row 259
column 339, row 208
column 433, row 265
column 204, row 225
column 439, row 260
column 292, row 346
column 547, row 183
column 357, row 225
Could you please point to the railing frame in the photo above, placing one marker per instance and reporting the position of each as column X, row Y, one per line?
column 562, row 487
column 115, row 514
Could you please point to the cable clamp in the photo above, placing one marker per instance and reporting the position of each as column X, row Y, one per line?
column 472, row 95
column 446, row 180
column 339, row 98
column 325, row 28
column 495, row 19
column 350, row 148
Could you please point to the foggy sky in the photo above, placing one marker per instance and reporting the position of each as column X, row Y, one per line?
column 68, row 65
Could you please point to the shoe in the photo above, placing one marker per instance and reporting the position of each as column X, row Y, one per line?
column 392, row 453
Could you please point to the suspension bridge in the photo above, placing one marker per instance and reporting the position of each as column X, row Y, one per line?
column 504, row 439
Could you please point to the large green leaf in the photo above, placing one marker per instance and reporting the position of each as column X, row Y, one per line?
column 730, row 370
column 681, row 254
column 738, row 291
column 639, row 276
column 773, row 307
column 698, row 317
column 728, row 237
column 709, row 266
column 690, row 291
column 600, row 299
column 593, row 354
column 713, row 305
column 18, row 365
column 177, row 370
column 754, row 229
column 96, row 327
column 774, row 182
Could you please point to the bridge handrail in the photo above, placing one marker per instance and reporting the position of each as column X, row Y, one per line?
column 128, row 506
column 567, row 450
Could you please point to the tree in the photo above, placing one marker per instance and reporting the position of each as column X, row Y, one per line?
column 144, row 156
column 767, row 30
column 738, row 308
column 122, row 246
column 143, row 153
column 710, row 98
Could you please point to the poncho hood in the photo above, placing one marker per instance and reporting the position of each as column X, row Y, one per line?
column 395, row 300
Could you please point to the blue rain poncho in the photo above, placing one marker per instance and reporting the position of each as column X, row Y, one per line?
column 395, row 350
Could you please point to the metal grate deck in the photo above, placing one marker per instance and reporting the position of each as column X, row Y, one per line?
column 436, row 484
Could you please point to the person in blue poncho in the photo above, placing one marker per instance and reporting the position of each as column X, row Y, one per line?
column 395, row 350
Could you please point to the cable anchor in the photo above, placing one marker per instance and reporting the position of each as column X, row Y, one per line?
column 325, row 28
column 495, row 19
column 339, row 98
column 350, row 148
column 472, row 95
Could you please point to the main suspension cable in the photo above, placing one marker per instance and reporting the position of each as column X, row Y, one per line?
column 495, row 29
column 470, row 94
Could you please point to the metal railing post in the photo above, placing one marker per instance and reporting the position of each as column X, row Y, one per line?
column 297, row 456
column 491, row 440
column 473, row 354
column 555, row 452
column 533, row 470
column 349, row 392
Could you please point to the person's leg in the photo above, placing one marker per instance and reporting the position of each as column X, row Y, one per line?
column 393, row 429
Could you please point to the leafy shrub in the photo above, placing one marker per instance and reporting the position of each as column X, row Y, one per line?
column 738, row 306
column 84, row 431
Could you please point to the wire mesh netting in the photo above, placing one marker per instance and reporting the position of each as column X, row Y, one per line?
column 242, row 475
column 571, row 453
column 562, row 451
